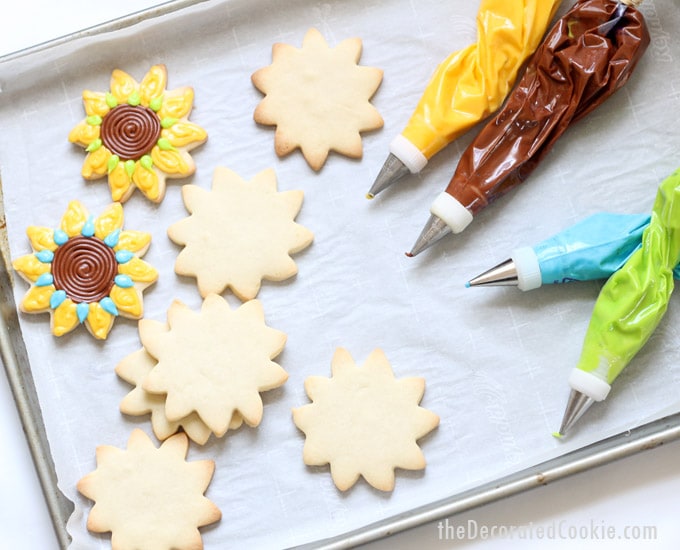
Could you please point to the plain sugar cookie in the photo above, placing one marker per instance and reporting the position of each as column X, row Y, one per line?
column 239, row 233
column 364, row 422
column 318, row 98
column 150, row 497
column 214, row 362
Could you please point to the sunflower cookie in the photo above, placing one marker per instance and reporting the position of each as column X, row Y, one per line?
column 138, row 134
column 214, row 362
column 239, row 233
column 318, row 98
column 364, row 422
column 88, row 271
column 150, row 497
column 134, row 369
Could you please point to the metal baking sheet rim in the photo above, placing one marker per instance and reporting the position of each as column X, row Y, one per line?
column 15, row 360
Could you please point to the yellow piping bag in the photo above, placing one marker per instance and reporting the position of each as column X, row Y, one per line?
column 468, row 85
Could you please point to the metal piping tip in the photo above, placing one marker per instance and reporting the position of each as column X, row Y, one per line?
column 503, row 274
column 393, row 169
column 434, row 229
column 578, row 404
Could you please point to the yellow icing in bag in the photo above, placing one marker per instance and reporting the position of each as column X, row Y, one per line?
column 472, row 83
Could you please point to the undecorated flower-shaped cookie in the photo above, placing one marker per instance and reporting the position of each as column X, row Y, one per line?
column 138, row 134
column 364, row 422
column 150, row 497
column 239, row 233
column 318, row 98
column 88, row 271
column 134, row 369
column 214, row 362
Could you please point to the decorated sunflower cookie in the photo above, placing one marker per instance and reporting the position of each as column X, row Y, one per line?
column 88, row 271
column 138, row 134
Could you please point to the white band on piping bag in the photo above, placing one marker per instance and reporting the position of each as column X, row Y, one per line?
column 408, row 153
column 528, row 270
column 589, row 384
column 451, row 212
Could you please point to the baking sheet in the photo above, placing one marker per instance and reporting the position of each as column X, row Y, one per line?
column 495, row 360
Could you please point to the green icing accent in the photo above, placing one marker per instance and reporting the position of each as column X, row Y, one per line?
column 112, row 163
column 146, row 161
column 96, row 144
column 168, row 122
column 134, row 99
column 130, row 167
column 111, row 101
column 165, row 145
column 156, row 103
column 634, row 300
column 94, row 120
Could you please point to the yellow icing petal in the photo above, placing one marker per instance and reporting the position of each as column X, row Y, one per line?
column 64, row 318
column 128, row 301
column 170, row 162
column 139, row 271
column 119, row 182
column 95, row 103
column 184, row 133
column 96, row 164
column 42, row 238
column 153, row 84
column 74, row 218
column 84, row 133
column 134, row 241
column 110, row 220
column 31, row 267
column 177, row 103
column 99, row 321
column 147, row 182
column 37, row 299
column 122, row 85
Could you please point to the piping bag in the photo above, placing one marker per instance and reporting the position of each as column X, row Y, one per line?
column 468, row 85
column 586, row 57
column 594, row 248
column 629, row 307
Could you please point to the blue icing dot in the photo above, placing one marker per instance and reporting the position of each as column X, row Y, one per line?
column 60, row 237
column 45, row 256
column 88, row 228
column 123, row 256
column 123, row 281
column 58, row 296
column 108, row 306
column 111, row 239
column 82, row 310
column 45, row 279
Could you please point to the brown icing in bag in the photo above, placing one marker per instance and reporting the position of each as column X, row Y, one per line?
column 589, row 54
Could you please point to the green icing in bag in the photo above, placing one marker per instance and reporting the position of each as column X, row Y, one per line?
column 634, row 299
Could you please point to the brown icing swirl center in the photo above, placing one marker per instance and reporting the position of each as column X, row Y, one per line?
column 84, row 268
column 130, row 131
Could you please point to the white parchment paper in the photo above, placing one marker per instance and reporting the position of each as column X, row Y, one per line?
column 496, row 361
